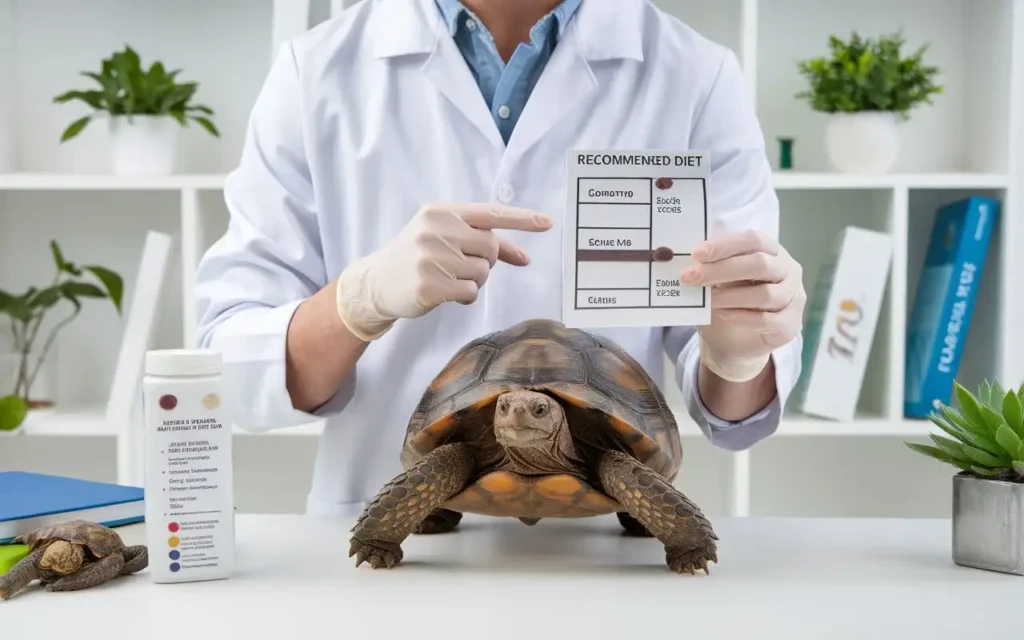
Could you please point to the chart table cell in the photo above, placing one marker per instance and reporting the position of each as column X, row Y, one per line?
column 615, row 216
column 612, row 239
column 615, row 191
column 613, row 298
column 667, row 288
column 613, row 275
column 678, row 212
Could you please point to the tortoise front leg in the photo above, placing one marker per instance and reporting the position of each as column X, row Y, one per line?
column 90, row 575
column 406, row 501
column 21, row 574
column 662, row 510
column 136, row 558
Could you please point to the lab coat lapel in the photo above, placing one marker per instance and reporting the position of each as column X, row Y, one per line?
column 602, row 30
column 449, row 72
column 404, row 28
column 565, row 83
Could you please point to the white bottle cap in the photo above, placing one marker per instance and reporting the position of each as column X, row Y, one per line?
column 183, row 362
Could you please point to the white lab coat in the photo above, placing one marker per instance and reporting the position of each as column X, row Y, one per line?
column 367, row 117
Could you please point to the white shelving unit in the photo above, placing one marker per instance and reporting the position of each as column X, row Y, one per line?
column 971, row 141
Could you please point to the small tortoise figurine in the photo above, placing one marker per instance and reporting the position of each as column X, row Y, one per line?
column 532, row 422
column 70, row 556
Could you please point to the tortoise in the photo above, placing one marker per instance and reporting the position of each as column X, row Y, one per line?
column 70, row 556
column 538, row 421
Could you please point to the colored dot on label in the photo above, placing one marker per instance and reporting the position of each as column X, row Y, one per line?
column 211, row 401
column 168, row 402
column 175, row 566
column 173, row 541
column 174, row 555
column 172, row 527
column 663, row 183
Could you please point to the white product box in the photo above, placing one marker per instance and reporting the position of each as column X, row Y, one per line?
column 842, row 316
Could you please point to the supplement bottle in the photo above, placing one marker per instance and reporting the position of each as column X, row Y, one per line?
column 188, row 468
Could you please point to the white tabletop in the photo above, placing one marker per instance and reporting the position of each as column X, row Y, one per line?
column 497, row 578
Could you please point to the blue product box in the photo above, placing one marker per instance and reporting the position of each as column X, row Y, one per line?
column 944, row 302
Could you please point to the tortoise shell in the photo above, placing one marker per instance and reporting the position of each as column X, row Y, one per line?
column 101, row 541
column 610, row 402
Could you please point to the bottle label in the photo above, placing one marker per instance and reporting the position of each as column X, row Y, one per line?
column 190, row 483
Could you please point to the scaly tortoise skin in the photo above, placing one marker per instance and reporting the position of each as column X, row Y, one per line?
column 539, row 421
column 70, row 556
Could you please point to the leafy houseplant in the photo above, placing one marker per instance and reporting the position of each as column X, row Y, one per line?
column 27, row 311
column 986, row 443
column 144, row 107
column 867, row 86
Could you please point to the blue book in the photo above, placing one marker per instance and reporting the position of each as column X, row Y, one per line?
column 32, row 500
column 944, row 302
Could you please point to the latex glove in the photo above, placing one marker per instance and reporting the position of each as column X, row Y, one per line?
column 444, row 254
column 757, row 301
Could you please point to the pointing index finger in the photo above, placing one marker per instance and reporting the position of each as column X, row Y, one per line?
column 498, row 216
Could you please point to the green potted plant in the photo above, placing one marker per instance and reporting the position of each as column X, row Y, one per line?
column 868, row 87
column 27, row 311
column 146, row 109
column 986, row 443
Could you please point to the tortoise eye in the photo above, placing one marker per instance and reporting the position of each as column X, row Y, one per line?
column 503, row 407
column 540, row 408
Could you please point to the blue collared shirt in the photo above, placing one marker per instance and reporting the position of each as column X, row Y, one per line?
column 505, row 87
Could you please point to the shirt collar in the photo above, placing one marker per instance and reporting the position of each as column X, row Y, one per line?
column 453, row 10
column 606, row 29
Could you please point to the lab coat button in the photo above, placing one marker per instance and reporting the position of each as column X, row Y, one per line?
column 504, row 112
column 506, row 193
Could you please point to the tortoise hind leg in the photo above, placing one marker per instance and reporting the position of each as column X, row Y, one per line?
column 633, row 526
column 136, row 558
column 439, row 521
column 662, row 509
column 400, row 507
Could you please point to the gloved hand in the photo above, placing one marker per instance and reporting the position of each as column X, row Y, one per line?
column 757, row 299
column 444, row 254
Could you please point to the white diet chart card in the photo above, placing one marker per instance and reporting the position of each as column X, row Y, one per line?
column 633, row 219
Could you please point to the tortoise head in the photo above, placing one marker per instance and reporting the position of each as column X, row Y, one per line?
column 527, row 419
column 531, row 427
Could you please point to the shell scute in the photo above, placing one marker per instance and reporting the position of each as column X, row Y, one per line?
column 100, row 540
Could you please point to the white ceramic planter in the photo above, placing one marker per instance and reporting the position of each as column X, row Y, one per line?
column 866, row 142
column 988, row 524
column 145, row 145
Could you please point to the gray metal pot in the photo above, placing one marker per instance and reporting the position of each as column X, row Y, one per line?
column 988, row 524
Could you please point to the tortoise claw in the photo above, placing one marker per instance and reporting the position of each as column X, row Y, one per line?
column 378, row 554
column 692, row 560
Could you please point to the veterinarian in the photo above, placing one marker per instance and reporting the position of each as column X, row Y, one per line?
column 401, row 192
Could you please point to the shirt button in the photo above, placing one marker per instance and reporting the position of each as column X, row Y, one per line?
column 504, row 112
column 471, row 24
column 506, row 193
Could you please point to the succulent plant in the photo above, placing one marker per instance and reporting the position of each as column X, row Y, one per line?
column 986, row 432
